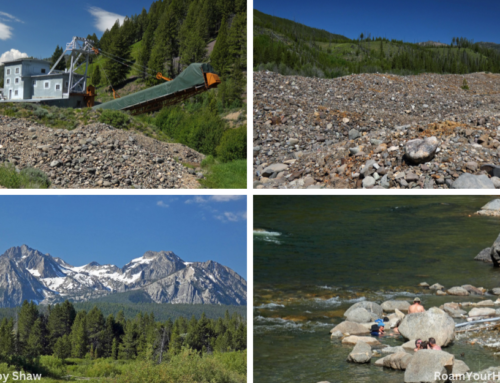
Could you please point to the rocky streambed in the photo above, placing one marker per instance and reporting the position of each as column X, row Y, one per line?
column 438, row 322
column 98, row 156
column 376, row 131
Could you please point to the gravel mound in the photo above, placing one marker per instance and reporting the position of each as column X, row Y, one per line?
column 98, row 156
column 352, row 132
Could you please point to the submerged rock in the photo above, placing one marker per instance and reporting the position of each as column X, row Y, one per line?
column 391, row 306
column 351, row 328
column 362, row 353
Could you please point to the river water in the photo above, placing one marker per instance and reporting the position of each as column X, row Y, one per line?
column 321, row 254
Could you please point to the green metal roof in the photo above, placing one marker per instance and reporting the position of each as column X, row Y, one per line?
column 191, row 77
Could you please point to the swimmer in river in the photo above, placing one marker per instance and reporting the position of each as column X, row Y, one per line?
column 416, row 307
column 433, row 345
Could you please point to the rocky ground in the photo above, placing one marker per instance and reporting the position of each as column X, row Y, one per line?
column 354, row 131
column 98, row 156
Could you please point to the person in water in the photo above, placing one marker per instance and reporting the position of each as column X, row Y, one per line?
column 377, row 330
column 424, row 345
column 418, row 343
column 416, row 307
column 433, row 345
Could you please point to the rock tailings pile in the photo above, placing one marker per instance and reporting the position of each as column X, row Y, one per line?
column 376, row 131
column 97, row 156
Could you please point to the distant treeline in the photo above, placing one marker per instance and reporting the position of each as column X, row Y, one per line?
column 283, row 46
column 63, row 332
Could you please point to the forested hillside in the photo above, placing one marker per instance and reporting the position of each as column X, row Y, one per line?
column 290, row 48
column 63, row 333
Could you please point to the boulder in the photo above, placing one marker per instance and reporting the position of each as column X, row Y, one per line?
column 397, row 361
column 436, row 286
column 470, row 181
column 351, row 328
column 432, row 323
column 426, row 364
column 492, row 208
column 459, row 369
column 495, row 252
column 336, row 334
column 492, row 373
column 454, row 310
column 473, row 290
column 369, row 306
column 457, row 291
column 391, row 306
column 360, row 315
column 487, row 302
column 421, row 150
column 353, row 340
column 496, row 291
column 392, row 350
column 484, row 255
column 409, row 346
column 274, row 168
column 362, row 353
column 482, row 312
column 440, row 292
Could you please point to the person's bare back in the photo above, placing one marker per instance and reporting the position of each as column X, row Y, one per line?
column 416, row 307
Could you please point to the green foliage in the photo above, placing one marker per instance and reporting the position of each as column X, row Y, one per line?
column 96, row 76
column 201, row 131
column 115, row 118
column 57, row 53
column 465, row 86
column 28, row 178
column 102, row 368
column 233, row 145
column 118, row 46
column 291, row 49
column 231, row 175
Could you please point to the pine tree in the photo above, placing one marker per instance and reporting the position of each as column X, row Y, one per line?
column 95, row 331
column 114, row 349
column 35, row 343
column 96, row 76
column 117, row 71
column 27, row 317
column 237, row 39
column 79, row 338
column 220, row 58
column 7, row 337
column 55, row 56
column 128, row 348
column 62, row 348
column 60, row 321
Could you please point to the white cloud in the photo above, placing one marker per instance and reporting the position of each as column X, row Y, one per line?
column 196, row 199
column 104, row 19
column 9, row 16
column 225, row 198
column 13, row 54
column 232, row 217
column 162, row 204
column 5, row 32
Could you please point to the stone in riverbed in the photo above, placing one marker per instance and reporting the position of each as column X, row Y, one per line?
column 436, row 286
column 487, row 302
column 492, row 208
column 459, row 369
column 425, row 365
column 482, row 312
column 474, row 290
column 421, row 150
column 362, row 353
column 470, row 181
column 496, row 291
column 457, row 290
column 484, row 255
column 361, row 315
column 495, row 252
column 371, row 307
column 351, row 328
column 391, row 306
column 432, row 323
column 353, row 339
column 397, row 361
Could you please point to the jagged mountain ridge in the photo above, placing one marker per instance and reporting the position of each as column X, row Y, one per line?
column 28, row 274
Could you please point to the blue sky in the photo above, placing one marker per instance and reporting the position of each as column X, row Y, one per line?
column 36, row 27
column 117, row 229
column 412, row 21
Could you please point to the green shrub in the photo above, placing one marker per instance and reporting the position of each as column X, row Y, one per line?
column 40, row 112
column 233, row 145
column 52, row 366
column 102, row 368
column 230, row 175
column 114, row 118
column 28, row 178
column 465, row 85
